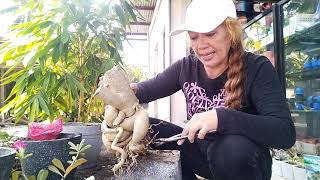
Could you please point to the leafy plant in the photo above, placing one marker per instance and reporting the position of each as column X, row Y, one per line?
column 6, row 140
column 56, row 55
column 20, row 148
column 134, row 73
column 76, row 151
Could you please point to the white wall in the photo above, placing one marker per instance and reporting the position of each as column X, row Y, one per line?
column 159, row 55
column 165, row 50
column 179, row 49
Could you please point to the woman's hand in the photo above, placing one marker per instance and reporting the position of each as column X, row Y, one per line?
column 201, row 124
column 134, row 87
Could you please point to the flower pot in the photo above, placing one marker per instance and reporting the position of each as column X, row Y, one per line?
column 44, row 151
column 287, row 171
column 299, row 173
column 276, row 167
column 309, row 148
column 6, row 161
column 91, row 132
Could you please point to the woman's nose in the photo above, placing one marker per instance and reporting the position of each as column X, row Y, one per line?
column 202, row 42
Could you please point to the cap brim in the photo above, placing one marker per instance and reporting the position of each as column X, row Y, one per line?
column 178, row 31
column 200, row 28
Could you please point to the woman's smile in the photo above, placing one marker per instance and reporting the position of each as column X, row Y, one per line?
column 207, row 56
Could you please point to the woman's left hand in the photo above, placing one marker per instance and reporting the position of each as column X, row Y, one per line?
column 199, row 125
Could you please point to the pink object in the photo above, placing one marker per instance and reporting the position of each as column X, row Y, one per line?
column 45, row 131
column 19, row 145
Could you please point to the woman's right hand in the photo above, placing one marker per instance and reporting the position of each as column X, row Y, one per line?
column 134, row 87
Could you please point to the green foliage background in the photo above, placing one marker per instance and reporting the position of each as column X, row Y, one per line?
column 55, row 54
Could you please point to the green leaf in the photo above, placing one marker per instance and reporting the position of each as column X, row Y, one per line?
column 43, row 174
column 86, row 147
column 15, row 175
column 81, row 143
column 78, row 162
column 65, row 36
column 78, row 84
column 55, row 54
column 11, row 77
column 58, row 164
column 72, row 146
column 129, row 9
column 32, row 178
column 55, row 170
column 9, row 105
column 121, row 15
column 34, row 109
column 43, row 105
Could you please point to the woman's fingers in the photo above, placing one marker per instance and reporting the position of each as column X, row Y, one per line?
column 184, row 133
column 192, row 134
column 202, row 133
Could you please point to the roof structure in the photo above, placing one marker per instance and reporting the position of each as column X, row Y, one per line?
column 145, row 9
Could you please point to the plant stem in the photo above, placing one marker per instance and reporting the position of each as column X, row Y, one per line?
column 81, row 97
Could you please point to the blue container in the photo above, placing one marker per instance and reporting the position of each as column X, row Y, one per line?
column 310, row 101
column 316, row 99
column 314, row 63
column 307, row 65
column 299, row 106
column 299, row 91
column 318, row 62
column 316, row 106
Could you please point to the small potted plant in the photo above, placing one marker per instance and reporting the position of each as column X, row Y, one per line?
column 279, row 157
column 299, row 171
column 45, row 142
column 7, row 155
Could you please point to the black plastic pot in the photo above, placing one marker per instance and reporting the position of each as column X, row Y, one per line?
column 6, row 161
column 91, row 132
column 43, row 152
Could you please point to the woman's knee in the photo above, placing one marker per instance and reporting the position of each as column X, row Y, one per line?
column 234, row 156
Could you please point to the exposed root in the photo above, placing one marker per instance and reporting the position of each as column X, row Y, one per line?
column 123, row 154
column 152, row 125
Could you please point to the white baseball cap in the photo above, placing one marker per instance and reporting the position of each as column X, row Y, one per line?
column 203, row 16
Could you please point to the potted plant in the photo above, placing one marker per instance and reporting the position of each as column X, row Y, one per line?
column 6, row 161
column 63, row 48
column 7, row 155
column 44, row 151
column 299, row 172
column 56, row 169
column 278, row 159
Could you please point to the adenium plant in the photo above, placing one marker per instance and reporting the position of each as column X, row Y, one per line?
column 20, row 146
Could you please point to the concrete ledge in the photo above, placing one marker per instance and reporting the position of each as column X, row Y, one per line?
column 156, row 165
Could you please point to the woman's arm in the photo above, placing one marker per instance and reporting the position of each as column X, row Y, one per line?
column 272, row 126
column 162, row 85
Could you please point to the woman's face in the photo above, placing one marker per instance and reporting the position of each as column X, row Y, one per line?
column 211, row 48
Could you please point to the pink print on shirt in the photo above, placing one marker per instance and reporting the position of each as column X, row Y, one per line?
column 197, row 100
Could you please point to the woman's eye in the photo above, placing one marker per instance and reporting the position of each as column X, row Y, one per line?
column 211, row 34
column 193, row 38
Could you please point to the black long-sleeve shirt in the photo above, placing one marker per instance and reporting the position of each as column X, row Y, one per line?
column 264, row 117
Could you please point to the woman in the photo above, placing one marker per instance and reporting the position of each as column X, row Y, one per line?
column 227, row 90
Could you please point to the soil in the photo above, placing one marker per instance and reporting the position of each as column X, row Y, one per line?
column 102, row 171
